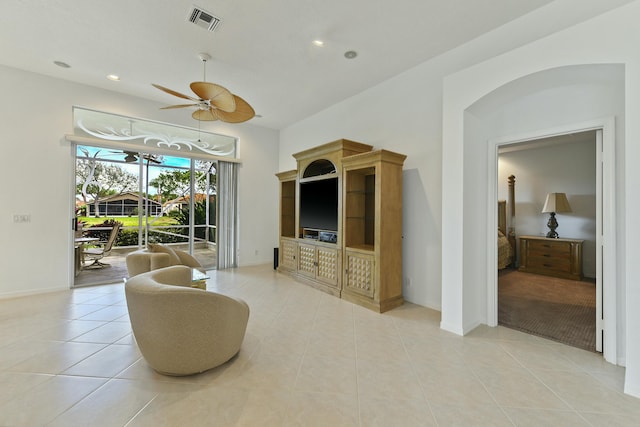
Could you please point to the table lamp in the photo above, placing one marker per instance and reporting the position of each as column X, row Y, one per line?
column 556, row 202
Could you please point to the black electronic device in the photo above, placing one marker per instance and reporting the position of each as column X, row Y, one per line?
column 328, row 236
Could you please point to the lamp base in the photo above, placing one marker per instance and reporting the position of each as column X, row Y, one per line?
column 552, row 224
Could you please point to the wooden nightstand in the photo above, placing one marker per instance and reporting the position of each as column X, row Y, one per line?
column 552, row 257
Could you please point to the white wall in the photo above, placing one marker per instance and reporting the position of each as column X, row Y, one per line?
column 37, row 172
column 608, row 39
column 563, row 168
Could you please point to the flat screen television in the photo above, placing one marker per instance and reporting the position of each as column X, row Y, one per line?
column 319, row 204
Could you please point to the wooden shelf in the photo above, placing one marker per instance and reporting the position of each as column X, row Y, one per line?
column 362, row 248
column 288, row 203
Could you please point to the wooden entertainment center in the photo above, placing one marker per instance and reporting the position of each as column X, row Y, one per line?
column 341, row 222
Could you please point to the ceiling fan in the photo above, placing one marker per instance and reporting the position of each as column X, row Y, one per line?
column 213, row 101
column 132, row 156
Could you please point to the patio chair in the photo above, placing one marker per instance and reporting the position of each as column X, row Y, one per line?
column 97, row 253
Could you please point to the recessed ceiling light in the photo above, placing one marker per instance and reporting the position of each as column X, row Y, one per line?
column 318, row 43
column 113, row 77
column 62, row 64
column 350, row 54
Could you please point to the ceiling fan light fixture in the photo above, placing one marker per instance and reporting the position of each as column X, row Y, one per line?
column 213, row 102
column 215, row 95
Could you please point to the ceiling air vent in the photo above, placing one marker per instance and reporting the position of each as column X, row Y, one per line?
column 203, row 19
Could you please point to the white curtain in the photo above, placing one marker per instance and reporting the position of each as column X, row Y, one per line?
column 227, row 240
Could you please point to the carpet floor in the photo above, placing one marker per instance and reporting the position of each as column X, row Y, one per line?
column 557, row 309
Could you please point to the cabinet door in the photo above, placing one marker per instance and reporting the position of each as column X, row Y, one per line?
column 360, row 273
column 307, row 260
column 288, row 254
column 327, row 265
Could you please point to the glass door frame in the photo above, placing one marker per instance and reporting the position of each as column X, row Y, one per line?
column 143, row 187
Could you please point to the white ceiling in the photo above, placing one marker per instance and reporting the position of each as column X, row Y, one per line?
column 262, row 50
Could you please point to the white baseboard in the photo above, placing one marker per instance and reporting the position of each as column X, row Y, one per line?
column 19, row 294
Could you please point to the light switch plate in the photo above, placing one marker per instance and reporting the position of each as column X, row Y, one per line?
column 21, row 218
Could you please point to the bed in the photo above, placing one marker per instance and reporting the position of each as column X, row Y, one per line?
column 506, row 229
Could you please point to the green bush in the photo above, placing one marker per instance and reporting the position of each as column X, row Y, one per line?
column 158, row 237
column 127, row 238
column 200, row 217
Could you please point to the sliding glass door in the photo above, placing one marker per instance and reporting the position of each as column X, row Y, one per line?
column 149, row 198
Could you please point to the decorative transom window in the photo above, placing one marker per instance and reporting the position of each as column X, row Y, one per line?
column 151, row 136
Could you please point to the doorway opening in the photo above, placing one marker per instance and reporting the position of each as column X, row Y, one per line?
column 553, row 286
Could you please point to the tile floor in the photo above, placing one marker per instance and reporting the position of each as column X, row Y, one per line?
column 69, row 359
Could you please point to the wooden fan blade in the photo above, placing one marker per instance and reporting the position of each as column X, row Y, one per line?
column 219, row 96
column 243, row 112
column 174, row 93
column 205, row 115
column 178, row 106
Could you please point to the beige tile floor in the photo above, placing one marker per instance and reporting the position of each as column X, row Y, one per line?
column 69, row 359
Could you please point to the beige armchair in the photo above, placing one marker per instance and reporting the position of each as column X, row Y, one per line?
column 182, row 330
column 157, row 256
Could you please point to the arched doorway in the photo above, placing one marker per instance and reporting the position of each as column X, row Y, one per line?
column 547, row 102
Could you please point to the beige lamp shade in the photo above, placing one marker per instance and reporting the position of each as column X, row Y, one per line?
column 556, row 202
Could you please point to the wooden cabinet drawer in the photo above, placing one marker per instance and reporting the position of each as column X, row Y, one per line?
column 557, row 264
column 549, row 249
